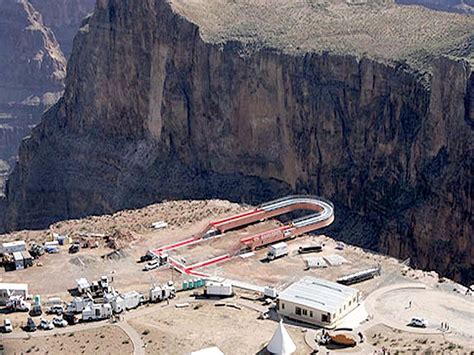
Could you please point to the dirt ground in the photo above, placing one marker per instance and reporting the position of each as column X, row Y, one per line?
column 105, row 340
column 180, row 331
column 177, row 331
column 400, row 342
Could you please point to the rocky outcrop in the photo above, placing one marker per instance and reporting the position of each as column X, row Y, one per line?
column 32, row 70
column 153, row 111
column 64, row 17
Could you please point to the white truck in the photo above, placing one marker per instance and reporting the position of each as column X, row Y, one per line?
column 17, row 303
column 116, row 301
column 277, row 251
column 162, row 293
column 78, row 304
column 217, row 289
column 96, row 311
column 132, row 299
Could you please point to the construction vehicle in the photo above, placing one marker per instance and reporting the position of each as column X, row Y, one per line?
column 277, row 251
column 132, row 299
column 96, row 311
column 74, row 248
column 36, row 251
column 162, row 293
column 306, row 249
column 216, row 289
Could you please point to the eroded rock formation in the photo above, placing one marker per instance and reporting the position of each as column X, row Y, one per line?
column 157, row 107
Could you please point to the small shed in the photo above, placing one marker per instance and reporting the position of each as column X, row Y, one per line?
column 18, row 260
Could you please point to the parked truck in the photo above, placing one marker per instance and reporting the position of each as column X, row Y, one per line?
column 96, row 311
column 132, row 299
column 217, row 289
column 78, row 304
column 277, row 250
column 18, row 304
column 162, row 292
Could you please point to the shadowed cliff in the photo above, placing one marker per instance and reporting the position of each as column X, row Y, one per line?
column 153, row 111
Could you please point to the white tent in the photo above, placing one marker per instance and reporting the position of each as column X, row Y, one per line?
column 214, row 350
column 281, row 342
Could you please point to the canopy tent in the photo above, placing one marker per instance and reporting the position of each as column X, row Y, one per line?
column 281, row 342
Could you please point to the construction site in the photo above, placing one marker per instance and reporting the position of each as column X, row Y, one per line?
column 267, row 277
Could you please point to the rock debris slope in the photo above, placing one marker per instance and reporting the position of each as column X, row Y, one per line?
column 369, row 105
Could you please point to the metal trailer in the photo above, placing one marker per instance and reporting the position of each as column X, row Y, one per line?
column 360, row 276
column 215, row 289
column 161, row 293
column 132, row 299
column 12, row 247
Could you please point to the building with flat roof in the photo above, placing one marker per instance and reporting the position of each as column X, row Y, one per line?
column 317, row 301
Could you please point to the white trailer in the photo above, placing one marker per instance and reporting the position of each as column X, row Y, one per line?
column 12, row 247
column 96, row 311
column 78, row 304
column 83, row 285
column 271, row 292
column 161, row 293
column 132, row 299
column 216, row 289
column 277, row 251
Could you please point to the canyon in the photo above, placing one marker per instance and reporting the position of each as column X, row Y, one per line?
column 32, row 65
column 369, row 105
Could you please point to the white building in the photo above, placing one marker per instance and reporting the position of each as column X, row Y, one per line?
column 317, row 301
column 12, row 247
column 7, row 290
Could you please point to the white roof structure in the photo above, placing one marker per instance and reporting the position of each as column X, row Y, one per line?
column 316, row 262
column 17, row 256
column 14, row 244
column 213, row 350
column 13, row 287
column 281, row 342
column 335, row 259
column 318, row 293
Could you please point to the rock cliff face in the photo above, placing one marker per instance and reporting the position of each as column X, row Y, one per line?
column 64, row 17
column 32, row 70
column 153, row 111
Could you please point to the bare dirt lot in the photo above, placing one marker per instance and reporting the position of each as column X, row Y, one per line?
column 105, row 340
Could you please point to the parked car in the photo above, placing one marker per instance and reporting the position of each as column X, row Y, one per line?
column 30, row 325
column 59, row 322
column 70, row 318
column 36, row 311
column 418, row 322
column 7, row 326
column 46, row 324
column 56, row 309
column 152, row 265
column 74, row 248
